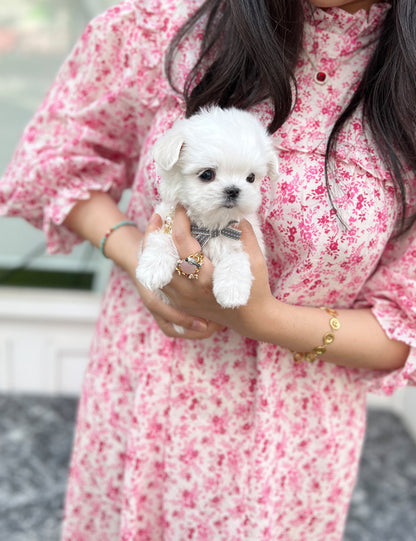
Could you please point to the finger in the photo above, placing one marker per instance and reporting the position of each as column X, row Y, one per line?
column 183, row 326
column 163, row 311
column 181, row 234
column 187, row 245
column 169, row 330
column 166, row 316
column 155, row 223
column 248, row 238
column 251, row 246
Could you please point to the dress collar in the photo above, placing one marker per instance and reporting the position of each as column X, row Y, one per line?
column 344, row 31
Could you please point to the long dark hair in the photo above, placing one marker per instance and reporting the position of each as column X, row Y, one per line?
column 249, row 52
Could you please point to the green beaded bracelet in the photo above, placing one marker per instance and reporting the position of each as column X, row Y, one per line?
column 111, row 230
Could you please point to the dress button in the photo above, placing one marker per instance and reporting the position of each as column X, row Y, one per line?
column 320, row 77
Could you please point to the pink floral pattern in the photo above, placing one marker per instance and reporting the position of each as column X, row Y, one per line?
column 225, row 439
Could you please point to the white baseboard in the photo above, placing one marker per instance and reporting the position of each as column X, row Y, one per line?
column 45, row 337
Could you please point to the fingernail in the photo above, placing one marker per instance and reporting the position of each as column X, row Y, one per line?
column 198, row 325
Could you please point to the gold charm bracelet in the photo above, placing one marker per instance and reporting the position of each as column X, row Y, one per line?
column 327, row 339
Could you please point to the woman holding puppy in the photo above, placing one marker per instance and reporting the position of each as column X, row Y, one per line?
column 252, row 428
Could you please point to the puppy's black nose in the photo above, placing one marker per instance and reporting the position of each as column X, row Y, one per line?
column 232, row 192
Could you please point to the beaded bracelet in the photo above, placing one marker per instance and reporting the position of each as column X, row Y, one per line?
column 168, row 224
column 327, row 339
column 111, row 230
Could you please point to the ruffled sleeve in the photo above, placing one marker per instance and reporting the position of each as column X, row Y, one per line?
column 88, row 132
column 391, row 294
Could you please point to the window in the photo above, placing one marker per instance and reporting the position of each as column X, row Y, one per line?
column 35, row 37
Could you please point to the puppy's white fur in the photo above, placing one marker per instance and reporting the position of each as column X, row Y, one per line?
column 235, row 145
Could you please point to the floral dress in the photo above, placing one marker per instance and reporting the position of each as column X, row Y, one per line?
column 224, row 439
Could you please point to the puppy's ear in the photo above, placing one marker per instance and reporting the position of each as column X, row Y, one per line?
column 167, row 149
column 273, row 165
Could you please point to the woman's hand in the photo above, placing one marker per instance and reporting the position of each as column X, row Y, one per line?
column 166, row 315
column 195, row 297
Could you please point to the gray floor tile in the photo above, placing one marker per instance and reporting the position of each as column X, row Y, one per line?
column 35, row 442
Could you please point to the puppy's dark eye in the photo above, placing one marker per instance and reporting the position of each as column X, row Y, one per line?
column 207, row 175
column 251, row 177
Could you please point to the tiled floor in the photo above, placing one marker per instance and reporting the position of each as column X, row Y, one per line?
column 35, row 442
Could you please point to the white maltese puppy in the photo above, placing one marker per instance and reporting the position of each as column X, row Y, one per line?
column 212, row 164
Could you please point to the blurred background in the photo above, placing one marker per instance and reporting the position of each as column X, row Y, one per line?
column 35, row 36
column 51, row 301
column 48, row 309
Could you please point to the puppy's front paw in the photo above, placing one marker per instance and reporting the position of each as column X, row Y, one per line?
column 232, row 281
column 157, row 262
column 152, row 275
column 231, row 295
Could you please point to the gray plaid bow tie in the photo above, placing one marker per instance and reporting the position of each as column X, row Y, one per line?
column 203, row 234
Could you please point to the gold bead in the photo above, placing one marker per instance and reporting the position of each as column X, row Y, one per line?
column 334, row 323
column 310, row 357
column 320, row 350
column 298, row 357
column 329, row 338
